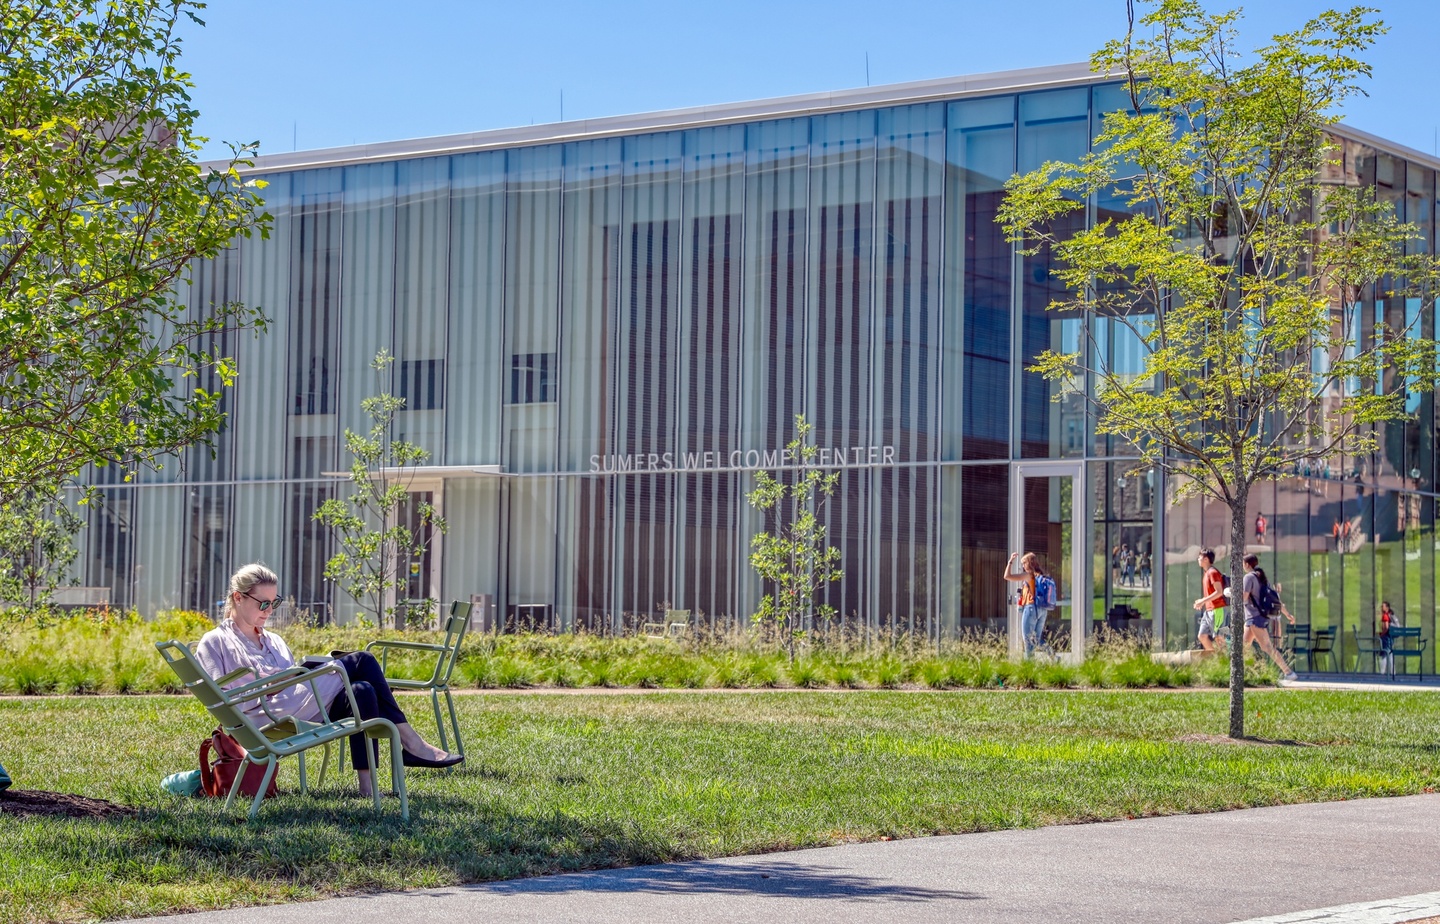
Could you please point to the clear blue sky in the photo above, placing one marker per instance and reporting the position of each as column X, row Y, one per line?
column 321, row 73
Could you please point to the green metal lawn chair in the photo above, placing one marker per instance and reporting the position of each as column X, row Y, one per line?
column 266, row 743
column 438, row 682
column 675, row 624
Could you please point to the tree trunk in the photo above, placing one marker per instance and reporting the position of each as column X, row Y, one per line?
column 1236, row 614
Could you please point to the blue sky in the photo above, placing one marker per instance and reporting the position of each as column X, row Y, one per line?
column 320, row 73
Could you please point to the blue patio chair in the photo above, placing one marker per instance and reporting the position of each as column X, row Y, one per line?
column 1322, row 642
column 1297, row 643
column 1405, row 643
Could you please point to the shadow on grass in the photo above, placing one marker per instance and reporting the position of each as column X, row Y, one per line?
column 1247, row 739
column 1422, row 748
column 336, row 842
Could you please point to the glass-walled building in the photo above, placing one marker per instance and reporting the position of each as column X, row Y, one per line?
column 602, row 329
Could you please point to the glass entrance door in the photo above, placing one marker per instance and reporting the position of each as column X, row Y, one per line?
column 1047, row 517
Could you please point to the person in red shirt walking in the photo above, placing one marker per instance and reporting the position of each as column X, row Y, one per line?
column 1211, row 603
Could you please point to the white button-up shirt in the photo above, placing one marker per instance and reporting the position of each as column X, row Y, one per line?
column 226, row 648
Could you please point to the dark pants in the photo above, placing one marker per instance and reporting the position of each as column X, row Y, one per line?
column 372, row 696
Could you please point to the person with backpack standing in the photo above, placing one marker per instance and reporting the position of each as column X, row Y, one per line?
column 1386, row 621
column 1211, row 603
column 1261, row 604
column 1037, row 596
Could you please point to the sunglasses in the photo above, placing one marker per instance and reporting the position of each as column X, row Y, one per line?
column 264, row 604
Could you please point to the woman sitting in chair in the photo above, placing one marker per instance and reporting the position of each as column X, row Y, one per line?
column 242, row 641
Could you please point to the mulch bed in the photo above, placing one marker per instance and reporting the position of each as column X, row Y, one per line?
column 39, row 802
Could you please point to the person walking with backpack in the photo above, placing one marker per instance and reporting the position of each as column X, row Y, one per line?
column 1034, row 583
column 1262, row 603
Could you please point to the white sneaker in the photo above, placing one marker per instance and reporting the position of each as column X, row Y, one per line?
column 1292, row 676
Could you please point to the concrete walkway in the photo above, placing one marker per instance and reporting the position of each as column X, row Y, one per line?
column 1362, row 683
column 1176, row 870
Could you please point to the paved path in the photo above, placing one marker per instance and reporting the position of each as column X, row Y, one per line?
column 1175, row 870
column 1429, row 684
column 1415, row 909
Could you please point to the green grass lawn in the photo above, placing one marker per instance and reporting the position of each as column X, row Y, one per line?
column 567, row 782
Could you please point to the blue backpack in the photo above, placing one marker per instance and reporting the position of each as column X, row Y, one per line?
column 1045, row 592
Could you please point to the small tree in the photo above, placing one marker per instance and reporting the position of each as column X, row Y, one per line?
column 370, row 524
column 37, row 545
column 1241, row 269
column 794, row 559
column 105, row 212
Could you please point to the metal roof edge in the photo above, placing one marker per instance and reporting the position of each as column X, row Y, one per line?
column 1059, row 75
column 1389, row 147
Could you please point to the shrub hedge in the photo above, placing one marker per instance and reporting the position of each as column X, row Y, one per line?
column 108, row 651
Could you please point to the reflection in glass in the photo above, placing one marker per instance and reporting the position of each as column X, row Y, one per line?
column 1054, row 126
column 981, row 154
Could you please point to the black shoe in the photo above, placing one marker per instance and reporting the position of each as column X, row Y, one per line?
column 414, row 760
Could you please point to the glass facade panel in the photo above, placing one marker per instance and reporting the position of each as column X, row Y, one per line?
column 261, row 409
column 981, row 157
column 646, row 390
column 110, row 543
column 476, row 359
column 368, row 284
column 1117, row 343
column 1054, row 126
column 773, row 313
column 315, row 262
column 422, row 231
column 984, row 516
column 708, row 545
column 910, row 187
column 840, row 331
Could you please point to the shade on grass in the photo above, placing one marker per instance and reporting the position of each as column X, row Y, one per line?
column 585, row 781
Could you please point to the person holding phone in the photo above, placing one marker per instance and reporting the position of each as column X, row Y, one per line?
column 1032, row 618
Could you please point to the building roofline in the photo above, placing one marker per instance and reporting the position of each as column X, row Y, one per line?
column 1385, row 145
column 782, row 107
column 808, row 104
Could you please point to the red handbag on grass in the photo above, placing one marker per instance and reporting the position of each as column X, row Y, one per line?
column 217, row 775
